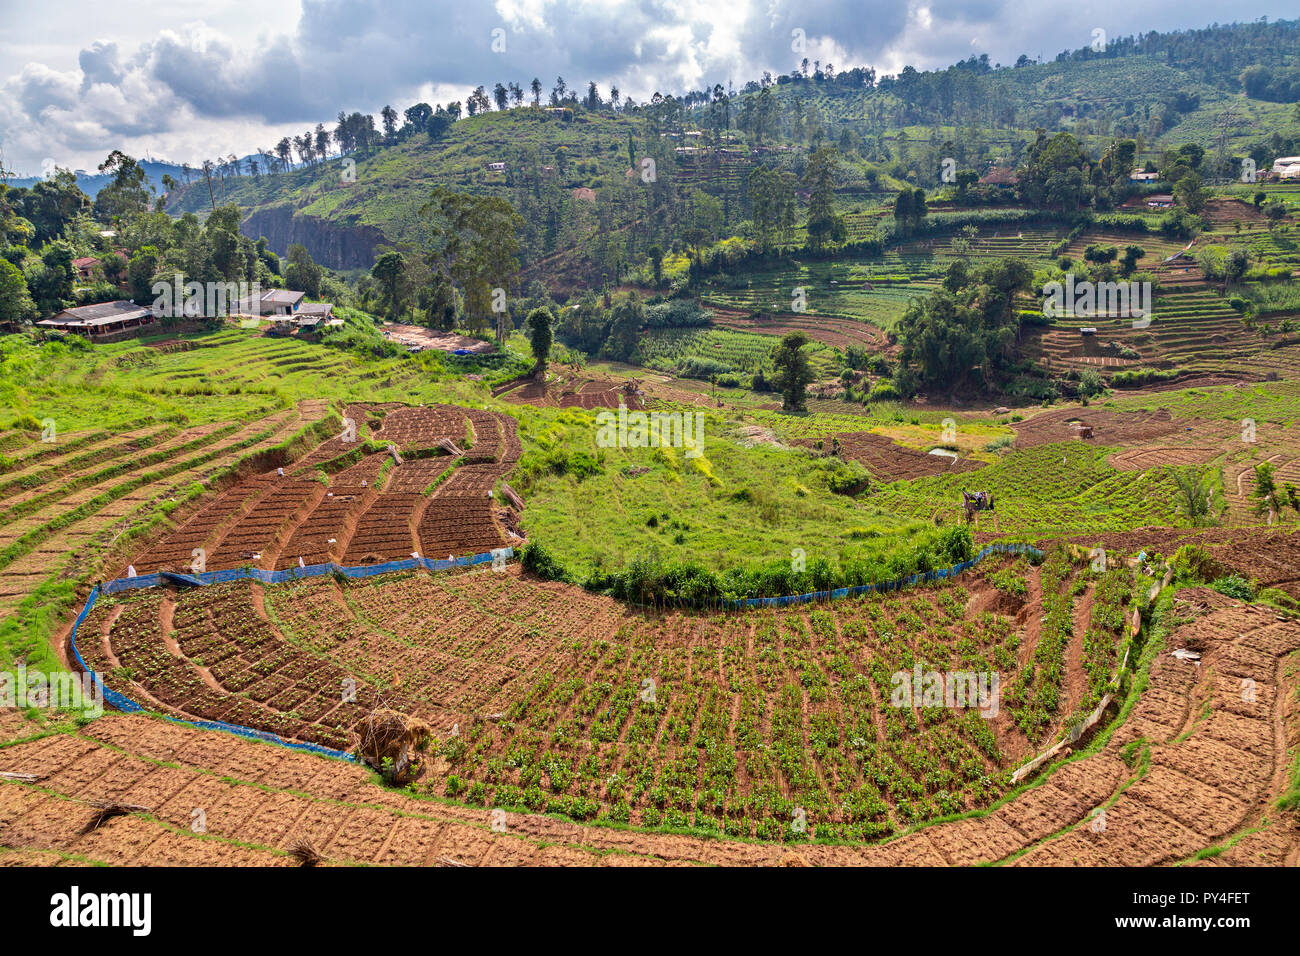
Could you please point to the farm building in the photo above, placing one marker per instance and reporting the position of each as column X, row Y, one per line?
column 1160, row 201
column 272, row 302
column 1287, row 167
column 281, row 324
column 320, row 311
column 1000, row 176
column 101, row 321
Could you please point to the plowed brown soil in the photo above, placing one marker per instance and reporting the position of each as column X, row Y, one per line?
column 1213, row 763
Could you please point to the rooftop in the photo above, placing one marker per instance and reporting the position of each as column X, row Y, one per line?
column 101, row 313
column 272, row 298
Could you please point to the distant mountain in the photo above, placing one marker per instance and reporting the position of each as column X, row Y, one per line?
column 92, row 182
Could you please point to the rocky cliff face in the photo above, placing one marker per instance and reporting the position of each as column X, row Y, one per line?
column 330, row 244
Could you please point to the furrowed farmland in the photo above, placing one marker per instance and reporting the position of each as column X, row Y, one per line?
column 785, row 725
column 824, row 468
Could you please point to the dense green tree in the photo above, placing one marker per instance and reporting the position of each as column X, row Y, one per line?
column 52, row 280
column 538, row 325
column 1190, row 193
column 910, row 210
column 584, row 324
column 16, row 303
column 389, row 271
column 656, row 254
column 792, row 373
column 771, row 197
column 964, row 333
column 141, row 271
column 473, row 241
column 824, row 226
column 1132, row 254
column 302, row 273
column 438, row 300
column 1053, row 172
column 129, row 193
column 626, row 318
column 51, row 204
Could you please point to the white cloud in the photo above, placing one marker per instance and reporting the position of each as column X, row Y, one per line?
column 233, row 76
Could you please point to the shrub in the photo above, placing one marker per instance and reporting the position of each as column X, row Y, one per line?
column 1235, row 586
column 537, row 560
column 1136, row 378
column 1195, row 563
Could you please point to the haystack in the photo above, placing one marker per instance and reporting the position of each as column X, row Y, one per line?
column 394, row 744
column 305, row 852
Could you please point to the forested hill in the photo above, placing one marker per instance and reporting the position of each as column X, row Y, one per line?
column 573, row 155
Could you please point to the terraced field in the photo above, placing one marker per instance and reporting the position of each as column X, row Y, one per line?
column 575, row 704
column 69, row 524
column 668, row 349
column 355, row 506
column 1190, row 776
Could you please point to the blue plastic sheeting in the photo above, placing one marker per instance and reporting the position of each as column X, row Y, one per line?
column 124, row 703
column 188, row 580
column 127, row 705
column 294, row 574
column 939, row 574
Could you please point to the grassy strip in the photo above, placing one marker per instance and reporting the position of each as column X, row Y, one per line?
column 36, row 535
column 27, row 634
column 107, row 474
column 49, row 472
column 432, row 486
column 1290, row 800
column 60, row 448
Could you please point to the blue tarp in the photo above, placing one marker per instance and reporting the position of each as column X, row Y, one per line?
column 188, row 580
column 927, row 577
column 127, row 705
column 124, row 703
column 309, row 571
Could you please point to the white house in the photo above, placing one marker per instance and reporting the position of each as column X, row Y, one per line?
column 272, row 302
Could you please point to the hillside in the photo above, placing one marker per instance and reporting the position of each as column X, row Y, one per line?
column 886, row 128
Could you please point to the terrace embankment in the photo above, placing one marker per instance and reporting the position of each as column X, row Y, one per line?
column 350, row 502
column 546, row 696
column 1194, row 770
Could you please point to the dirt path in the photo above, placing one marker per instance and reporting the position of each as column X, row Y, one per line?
column 1074, row 687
